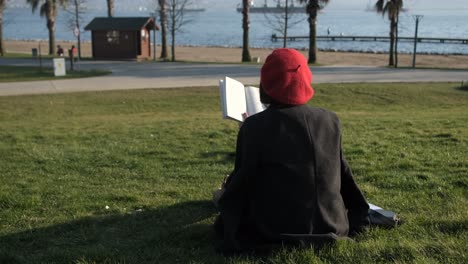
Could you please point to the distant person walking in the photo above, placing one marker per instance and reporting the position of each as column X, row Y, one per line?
column 74, row 52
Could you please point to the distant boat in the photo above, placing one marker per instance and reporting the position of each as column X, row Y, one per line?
column 272, row 9
column 195, row 9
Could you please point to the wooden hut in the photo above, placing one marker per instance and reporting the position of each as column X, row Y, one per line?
column 121, row 37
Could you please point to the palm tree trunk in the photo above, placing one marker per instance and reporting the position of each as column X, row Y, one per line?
column 392, row 42
column 77, row 21
column 312, row 10
column 163, row 20
column 51, row 28
column 173, row 58
column 110, row 8
column 396, row 38
column 2, row 6
column 286, row 17
column 245, row 26
column 173, row 31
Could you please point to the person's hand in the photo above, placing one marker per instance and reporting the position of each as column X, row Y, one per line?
column 217, row 195
column 244, row 117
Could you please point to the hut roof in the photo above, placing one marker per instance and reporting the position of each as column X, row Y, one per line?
column 121, row 23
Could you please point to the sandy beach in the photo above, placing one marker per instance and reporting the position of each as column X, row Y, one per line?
column 233, row 55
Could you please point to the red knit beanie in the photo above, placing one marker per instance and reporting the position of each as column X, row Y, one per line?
column 286, row 77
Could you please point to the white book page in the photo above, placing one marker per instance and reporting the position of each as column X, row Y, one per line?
column 386, row 213
column 374, row 207
column 252, row 98
column 222, row 92
column 234, row 99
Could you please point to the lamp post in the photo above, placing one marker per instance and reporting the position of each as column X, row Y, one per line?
column 286, row 16
column 76, row 32
column 153, row 15
column 417, row 18
column 40, row 56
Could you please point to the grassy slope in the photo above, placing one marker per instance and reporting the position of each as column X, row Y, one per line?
column 153, row 157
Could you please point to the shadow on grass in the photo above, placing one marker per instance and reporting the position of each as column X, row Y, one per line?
column 463, row 87
column 452, row 228
column 224, row 157
column 178, row 233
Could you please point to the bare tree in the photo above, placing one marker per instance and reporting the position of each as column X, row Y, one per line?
column 282, row 21
column 49, row 10
column 2, row 7
column 245, row 28
column 76, row 9
column 110, row 8
column 177, row 19
column 163, row 21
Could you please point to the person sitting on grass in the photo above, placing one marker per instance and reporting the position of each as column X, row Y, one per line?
column 59, row 51
column 291, row 183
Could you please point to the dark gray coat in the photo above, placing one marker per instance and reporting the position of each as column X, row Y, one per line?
column 290, row 179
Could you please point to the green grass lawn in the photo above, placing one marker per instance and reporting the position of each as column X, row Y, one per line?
column 126, row 176
column 30, row 73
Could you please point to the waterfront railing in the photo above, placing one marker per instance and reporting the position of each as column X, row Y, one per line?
column 375, row 38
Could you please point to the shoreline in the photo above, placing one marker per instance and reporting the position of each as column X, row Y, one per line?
column 233, row 55
column 87, row 42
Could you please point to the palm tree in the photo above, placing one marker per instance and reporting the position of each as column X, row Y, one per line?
column 392, row 9
column 49, row 10
column 245, row 27
column 312, row 8
column 163, row 21
column 2, row 7
column 110, row 8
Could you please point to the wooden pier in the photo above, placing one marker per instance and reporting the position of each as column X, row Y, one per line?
column 375, row 38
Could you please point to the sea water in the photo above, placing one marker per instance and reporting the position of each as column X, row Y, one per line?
column 223, row 28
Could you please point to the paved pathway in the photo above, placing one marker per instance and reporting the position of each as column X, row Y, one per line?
column 134, row 75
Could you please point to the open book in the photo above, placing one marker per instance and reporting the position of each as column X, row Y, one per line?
column 237, row 99
column 381, row 217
